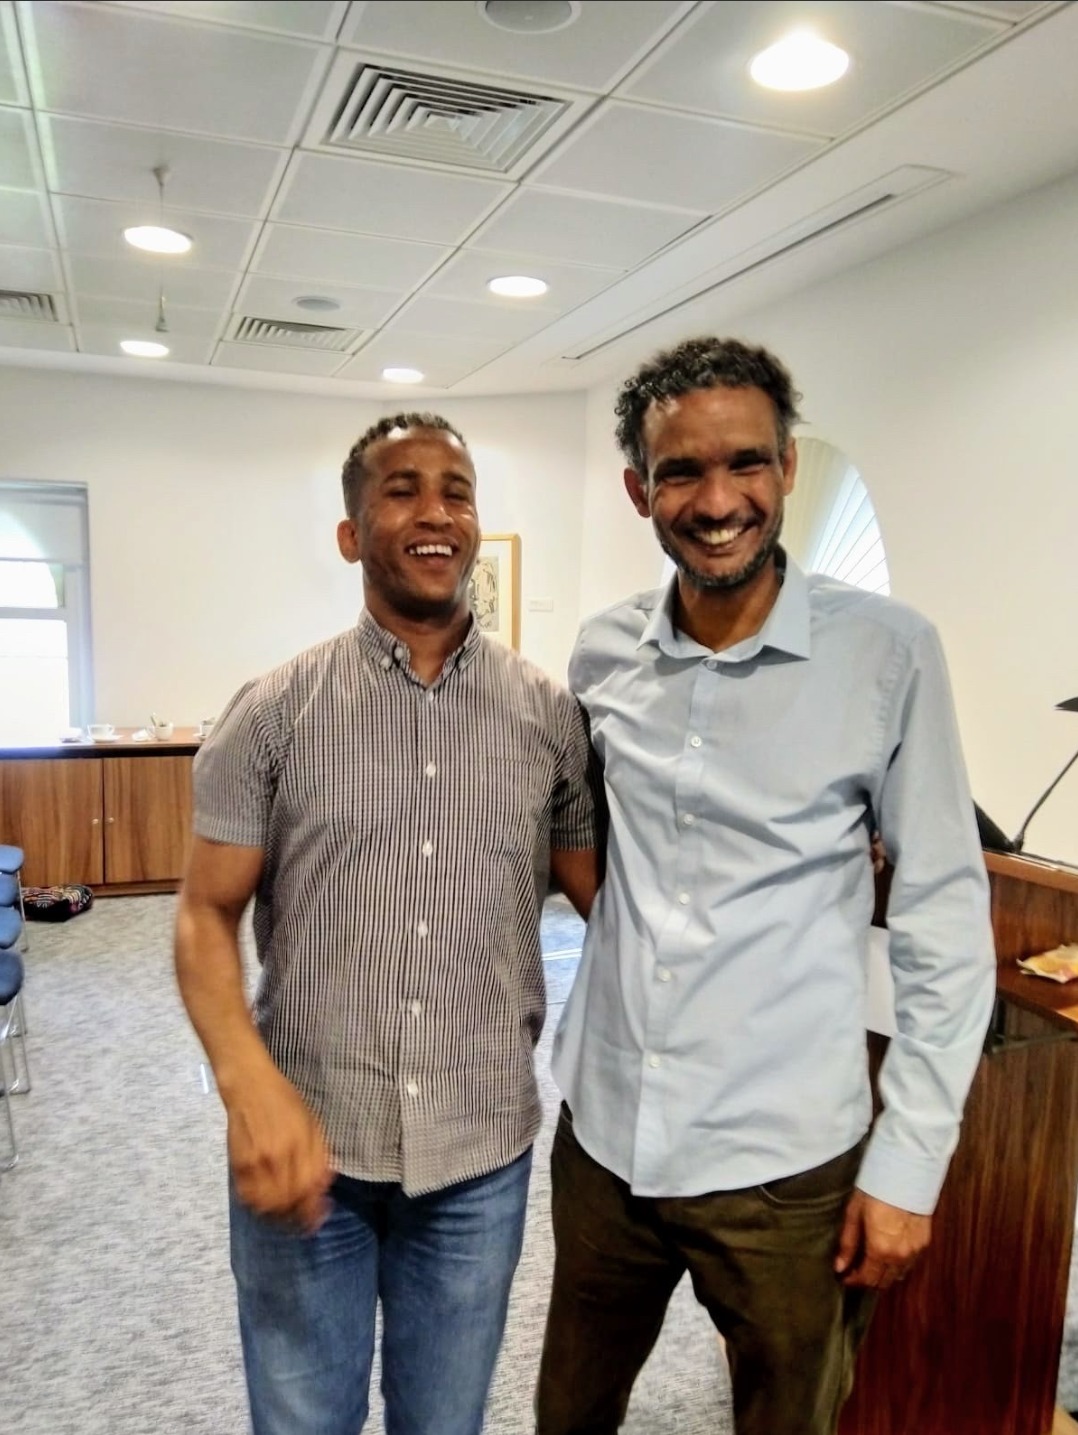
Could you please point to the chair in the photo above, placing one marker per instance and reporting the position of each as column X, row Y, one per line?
column 11, row 860
column 14, row 1066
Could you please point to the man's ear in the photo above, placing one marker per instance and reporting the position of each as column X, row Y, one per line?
column 637, row 489
column 348, row 541
column 789, row 468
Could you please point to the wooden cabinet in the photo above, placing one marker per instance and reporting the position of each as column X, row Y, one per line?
column 118, row 823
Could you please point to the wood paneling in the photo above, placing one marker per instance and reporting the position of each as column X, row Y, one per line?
column 147, row 818
column 53, row 811
column 970, row 1342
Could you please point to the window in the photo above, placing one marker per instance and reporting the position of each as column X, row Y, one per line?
column 44, row 611
column 830, row 523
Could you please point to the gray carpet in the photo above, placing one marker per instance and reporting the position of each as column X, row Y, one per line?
column 116, row 1300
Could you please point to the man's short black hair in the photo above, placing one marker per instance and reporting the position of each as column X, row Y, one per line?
column 704, row 363
column 354, row 471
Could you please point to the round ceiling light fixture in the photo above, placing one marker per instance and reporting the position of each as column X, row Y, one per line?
column 143, row 348
column 518, row 286
column 316, row 303
column 402, row 376
column 158, row 239
column 529, row 17
column 799, row 61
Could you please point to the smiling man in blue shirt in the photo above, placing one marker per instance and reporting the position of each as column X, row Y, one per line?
column 755, row 726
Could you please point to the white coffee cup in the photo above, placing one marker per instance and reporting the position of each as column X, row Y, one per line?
column 99, row 731
column 162, row 731
column 205, row 727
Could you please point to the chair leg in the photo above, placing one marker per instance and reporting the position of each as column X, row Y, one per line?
column 16, row 1039
column 9, row 1160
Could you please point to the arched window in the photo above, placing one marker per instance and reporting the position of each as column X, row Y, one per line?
column 831, row 525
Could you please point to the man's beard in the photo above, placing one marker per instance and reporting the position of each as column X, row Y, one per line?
column 724, row 581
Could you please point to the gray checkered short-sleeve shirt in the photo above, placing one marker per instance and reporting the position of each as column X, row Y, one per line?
column 406, row 833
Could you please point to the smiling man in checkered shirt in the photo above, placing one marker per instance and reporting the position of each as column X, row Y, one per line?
column 394, row 800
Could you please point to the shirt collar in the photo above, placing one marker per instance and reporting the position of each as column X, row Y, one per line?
column 786, row 628
column 380, row 644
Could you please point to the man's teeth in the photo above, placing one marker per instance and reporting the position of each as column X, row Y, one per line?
column 427, row 550
column 716, row 537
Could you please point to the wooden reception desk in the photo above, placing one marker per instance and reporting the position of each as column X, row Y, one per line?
column 970, row 1343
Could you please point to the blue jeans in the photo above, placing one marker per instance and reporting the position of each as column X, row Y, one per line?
column 442, row 1265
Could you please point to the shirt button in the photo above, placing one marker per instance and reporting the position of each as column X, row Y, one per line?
column 416, row 1008
column 695, row 741
column 387, row 661
column 664, row 975
column 412, row 1088
column 427, row 848
column 430, row 695
column 684, row 898
column 421, row 929
column 653, row 1061
column 431, row 768
column 688, row 820
column 398, row 653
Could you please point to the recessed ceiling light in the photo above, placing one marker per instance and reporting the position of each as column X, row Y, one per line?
column 518, row 286
column 799, row 61
column 158, row 239
column 317, row 303
column 402, row 376
column 143, row 348
column 529, row 17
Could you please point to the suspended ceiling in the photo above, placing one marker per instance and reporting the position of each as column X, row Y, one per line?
column 627, row 159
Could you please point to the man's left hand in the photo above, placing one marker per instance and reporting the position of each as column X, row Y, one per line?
column 879, row 1243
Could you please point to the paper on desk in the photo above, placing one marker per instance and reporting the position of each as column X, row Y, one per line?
column 1058, row 965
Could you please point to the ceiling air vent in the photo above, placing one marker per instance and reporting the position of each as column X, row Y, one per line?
column 16, row 305
column 291, row 334
column 433, row 117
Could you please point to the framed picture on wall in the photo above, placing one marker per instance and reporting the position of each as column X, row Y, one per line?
column 494, row 589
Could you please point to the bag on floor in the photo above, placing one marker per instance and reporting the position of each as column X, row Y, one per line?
column 55, row 904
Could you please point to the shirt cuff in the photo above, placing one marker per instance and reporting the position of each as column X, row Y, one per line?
column 912, row 1183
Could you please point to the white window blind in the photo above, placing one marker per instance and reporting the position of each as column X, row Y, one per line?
column 831, row 525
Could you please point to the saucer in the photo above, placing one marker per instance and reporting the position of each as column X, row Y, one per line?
column 113, row 738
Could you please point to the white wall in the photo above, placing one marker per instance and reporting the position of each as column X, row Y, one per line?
column 213, row 514
column 948, row 372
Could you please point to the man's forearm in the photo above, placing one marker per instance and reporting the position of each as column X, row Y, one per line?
column 209, row 972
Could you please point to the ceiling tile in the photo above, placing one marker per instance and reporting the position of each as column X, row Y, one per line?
column 26, row 334
column 570, row 227
column 315, row 19
column 326, row 256
column 35, row 270
column 24, row 220
column 397, row 200
column 280, row 361
column 13, row 90
column 138, row 320
column 1012, row 10
column 16, row 154
column 590, row 53
column 94, row 226
column 116, row 162
column 273, row 299
column 141, row 280
column 442, row 361
column 503, row 322
column 630, row 152
column 148, row 69
column 105, row 339
column 892, row 49
column 466, row 276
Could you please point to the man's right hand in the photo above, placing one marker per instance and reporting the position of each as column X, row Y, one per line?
column 277, row 1150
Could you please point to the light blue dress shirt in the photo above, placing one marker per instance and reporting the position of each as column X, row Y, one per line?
column 715, row 1035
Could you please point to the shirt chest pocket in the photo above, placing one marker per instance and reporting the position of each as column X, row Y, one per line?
column 511, row 803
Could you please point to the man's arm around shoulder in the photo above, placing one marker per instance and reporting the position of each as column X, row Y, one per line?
column 276, row 1149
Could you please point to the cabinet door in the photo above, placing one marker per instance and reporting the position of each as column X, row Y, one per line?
column 51, row 808
column 147, row 818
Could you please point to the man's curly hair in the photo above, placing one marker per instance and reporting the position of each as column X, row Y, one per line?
column 704, row 363
column 354, row 472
